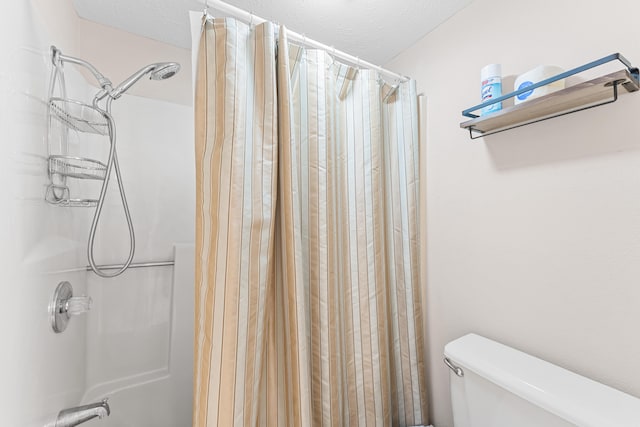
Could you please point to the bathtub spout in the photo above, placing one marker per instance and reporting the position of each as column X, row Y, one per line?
column 74, row 416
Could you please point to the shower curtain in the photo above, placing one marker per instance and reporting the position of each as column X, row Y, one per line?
column 307, row 291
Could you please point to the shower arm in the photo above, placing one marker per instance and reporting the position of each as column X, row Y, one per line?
column 162, row 69
column 58, row 56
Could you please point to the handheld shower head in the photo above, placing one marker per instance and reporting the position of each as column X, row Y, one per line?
column 157, row 71
column 164, row 70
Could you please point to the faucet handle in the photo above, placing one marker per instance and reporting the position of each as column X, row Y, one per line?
column 64, row 305
column 78, row 305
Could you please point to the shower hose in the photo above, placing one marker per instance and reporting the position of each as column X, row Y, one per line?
column 112, row 164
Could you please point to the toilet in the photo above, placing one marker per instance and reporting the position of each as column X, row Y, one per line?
column 493, row 385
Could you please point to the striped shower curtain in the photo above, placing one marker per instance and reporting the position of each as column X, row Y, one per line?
column 307, row 291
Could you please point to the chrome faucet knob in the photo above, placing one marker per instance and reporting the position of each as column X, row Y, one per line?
column 63, row 305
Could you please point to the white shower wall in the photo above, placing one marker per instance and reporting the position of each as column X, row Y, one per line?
column 140, row 341
column 39, row 369
column 140, row 334
column 43, row 372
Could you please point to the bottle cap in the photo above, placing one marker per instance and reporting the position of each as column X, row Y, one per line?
column 491, row 70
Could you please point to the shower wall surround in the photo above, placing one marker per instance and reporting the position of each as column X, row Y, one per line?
column 43, row 372
column 533, row 234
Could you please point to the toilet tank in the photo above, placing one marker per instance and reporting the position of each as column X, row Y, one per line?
column 504, row 387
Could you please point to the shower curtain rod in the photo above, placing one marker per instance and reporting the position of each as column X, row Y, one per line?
column 250, row 18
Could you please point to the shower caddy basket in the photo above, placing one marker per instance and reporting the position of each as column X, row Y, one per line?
column 75, row 116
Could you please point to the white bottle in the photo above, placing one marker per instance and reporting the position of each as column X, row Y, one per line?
column 491, row 81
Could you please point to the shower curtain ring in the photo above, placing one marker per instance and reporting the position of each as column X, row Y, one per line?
column 206, row 8
column 251, row 19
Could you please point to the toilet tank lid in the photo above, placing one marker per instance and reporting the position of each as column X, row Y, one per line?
column 575, row 398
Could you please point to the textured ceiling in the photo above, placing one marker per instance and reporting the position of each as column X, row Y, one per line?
column 374, row 30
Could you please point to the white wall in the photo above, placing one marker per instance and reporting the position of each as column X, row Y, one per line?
column 533, row 235
column 120, row 54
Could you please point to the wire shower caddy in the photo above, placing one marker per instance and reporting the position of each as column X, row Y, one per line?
column 79, row 117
